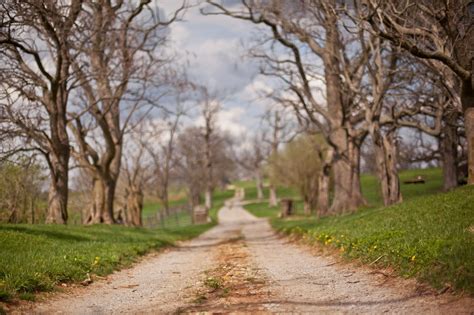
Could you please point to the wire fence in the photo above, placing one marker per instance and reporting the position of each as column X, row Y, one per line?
column 176, row 217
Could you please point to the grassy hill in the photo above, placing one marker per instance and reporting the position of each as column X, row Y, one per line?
column 430, row 236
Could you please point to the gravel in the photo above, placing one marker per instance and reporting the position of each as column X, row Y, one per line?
column 298, row 281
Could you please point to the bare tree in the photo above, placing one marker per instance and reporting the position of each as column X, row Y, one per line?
column 438, row 30
column 35, row 57
column 280, row 131
column 311, row 34
column 117, row 67
column 162, row 150
column 375, row 96
column 137, row 172
column 191, row 162
column 253, row 158
column 210, row 107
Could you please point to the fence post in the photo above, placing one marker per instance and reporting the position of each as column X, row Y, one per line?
column 162, row 221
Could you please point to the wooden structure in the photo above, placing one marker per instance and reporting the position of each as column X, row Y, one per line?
column 417, row 180
column 286, row 207
column 200, row 215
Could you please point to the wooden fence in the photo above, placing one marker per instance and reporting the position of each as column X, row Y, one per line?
column 176, row 216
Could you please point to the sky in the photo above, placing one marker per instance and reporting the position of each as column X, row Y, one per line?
column 215, row 49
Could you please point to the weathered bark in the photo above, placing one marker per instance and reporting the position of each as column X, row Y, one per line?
column 97, row 203
column 272, row 200
column 467, row 99
column 99, row 211
column 324, row 182
column 323, row 192
column 259, row 184
column 356, row 196
column 448, row 145
column 109, row 194
column 134, row 207
column 469, row 121
column 58, row 189
column 342, row 188
column 385, row 157
column 165, row 200
column 347, row 190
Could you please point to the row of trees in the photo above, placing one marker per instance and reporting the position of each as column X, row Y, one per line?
column 83, row 83
column 359, row 71
column 73, row 74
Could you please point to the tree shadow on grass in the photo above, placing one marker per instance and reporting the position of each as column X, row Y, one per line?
column 50, row 234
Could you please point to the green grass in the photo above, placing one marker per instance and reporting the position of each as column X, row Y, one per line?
column 370, row 190
column 433, row 177
column 429, row 236
column 37, row 257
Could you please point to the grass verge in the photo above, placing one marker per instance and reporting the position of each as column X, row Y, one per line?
column 36, row 258
column 430, row 237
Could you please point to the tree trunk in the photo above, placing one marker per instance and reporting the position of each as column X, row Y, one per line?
column 469, row 125
column 323, row 191
column 109, row 194
column 134, row 207
column 99, row 211
column 391, row 155
column 347, row 190
column 342, row 188
column 357, row 197
column 448, row 144
column 385, row 157
column 323, row 183
column 272, row 200
column 382, row 172
column 307, row 207
column 345, row 199
column 259, row 184
column 208, row 199
column 97, row 204
column 32, row 207
column 58, row 189
column 467, row 99
column 165, row 201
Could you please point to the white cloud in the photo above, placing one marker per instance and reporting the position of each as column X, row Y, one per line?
column 228, row 120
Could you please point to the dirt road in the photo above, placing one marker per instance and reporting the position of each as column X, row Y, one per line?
column 242, row 266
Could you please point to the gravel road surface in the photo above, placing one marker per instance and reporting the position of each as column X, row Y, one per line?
column 261, row 273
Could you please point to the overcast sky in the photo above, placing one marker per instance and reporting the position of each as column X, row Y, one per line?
column 214, row 46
